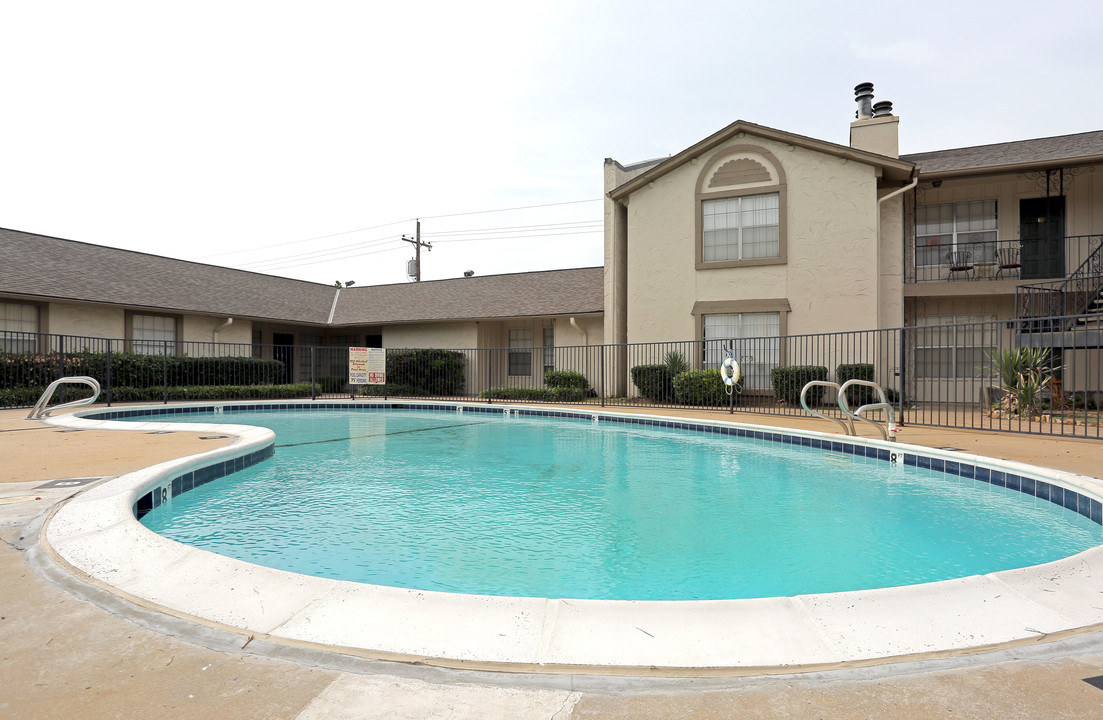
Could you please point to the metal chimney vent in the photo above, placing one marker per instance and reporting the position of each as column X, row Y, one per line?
column 882, row 109
column 863, row 95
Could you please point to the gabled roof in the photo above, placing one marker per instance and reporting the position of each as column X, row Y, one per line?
column 577, row 291
column 53, row 268
column 1079, row 149
column 893, row 168
column 49, row 268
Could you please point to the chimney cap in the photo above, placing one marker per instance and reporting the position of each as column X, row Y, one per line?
column 882, row 108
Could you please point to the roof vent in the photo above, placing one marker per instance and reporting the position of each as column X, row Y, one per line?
column 882, row 109
column 468, row 273
column 863, row 95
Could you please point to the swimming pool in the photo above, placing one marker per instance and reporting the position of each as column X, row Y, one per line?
column 497, row 504
column 97, row 536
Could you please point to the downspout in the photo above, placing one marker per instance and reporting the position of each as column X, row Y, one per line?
column 220, row 328
column 585, row 335
column 893, row 427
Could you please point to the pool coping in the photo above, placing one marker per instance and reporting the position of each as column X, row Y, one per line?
column 97, row 535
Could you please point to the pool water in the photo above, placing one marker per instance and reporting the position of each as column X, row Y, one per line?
column 486, row 504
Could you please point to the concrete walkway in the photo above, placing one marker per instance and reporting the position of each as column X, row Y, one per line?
column 69, row 650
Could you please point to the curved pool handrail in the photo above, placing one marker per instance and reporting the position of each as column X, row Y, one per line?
column 810, row 411
column 884, row 405
column 40, row 410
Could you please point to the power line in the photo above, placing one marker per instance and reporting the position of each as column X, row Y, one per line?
column 398, row 222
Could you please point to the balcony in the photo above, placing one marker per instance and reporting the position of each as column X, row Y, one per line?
column 1045, row 259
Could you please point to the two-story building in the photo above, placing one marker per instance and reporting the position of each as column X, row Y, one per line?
column 755, row 232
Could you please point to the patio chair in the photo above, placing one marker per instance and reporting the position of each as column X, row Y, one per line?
column 960, row 262
column 1009, row 260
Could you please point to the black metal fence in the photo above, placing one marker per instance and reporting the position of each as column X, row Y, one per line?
column 998, row 375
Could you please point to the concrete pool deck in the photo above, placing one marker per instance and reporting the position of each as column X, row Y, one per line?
column 1058, row 666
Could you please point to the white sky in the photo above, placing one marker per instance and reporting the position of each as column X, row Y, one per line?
column 273, row 135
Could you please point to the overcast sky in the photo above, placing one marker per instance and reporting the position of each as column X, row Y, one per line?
column 302, row 139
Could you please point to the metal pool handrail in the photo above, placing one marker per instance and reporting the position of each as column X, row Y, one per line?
column 40, row 410
column 857, row 414
column 810, row 411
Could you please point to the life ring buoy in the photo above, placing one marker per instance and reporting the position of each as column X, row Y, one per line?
column 729, row 371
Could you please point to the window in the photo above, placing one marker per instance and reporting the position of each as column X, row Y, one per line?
column 740, row 228
column 754, row 338
column 153, row 334
column 954, row 346
column 18, row 325
column 955, row 227
column 549, row 349
column 520, row 360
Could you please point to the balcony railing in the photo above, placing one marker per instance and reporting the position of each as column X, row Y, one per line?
column 1038, row 259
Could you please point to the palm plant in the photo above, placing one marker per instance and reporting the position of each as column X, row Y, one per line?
column 1024, row 375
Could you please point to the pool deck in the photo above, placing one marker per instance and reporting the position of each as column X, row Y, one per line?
column 68, row 649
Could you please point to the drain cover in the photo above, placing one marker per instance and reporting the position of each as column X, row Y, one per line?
column 68, row 482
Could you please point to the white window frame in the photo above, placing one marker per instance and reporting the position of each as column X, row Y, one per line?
column 153, row 334
column 735, row 217
column 957, row 231
column 757, row 340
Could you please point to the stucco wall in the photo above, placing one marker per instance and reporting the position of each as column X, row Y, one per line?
column 200, row 329
column 830, row 278
column 431, row 335
column 87, row 320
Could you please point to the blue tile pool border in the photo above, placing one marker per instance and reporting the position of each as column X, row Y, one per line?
column 1028, row 485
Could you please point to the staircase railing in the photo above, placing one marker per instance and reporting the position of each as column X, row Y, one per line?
column 1067, row 298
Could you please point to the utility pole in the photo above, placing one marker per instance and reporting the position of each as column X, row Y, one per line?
column 418, row 244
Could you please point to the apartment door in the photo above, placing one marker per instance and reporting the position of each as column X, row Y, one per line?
column 284, row 351
column 1042, row 231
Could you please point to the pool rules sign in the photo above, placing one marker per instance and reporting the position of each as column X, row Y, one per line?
column 367, row 366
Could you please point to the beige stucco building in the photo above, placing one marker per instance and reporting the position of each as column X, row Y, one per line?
column 756, row 232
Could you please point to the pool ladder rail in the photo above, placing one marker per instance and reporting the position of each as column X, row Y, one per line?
column 888, row 433
column 40, row 410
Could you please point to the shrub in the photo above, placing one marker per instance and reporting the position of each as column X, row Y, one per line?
column 789, row 380
column 539, row 394
column 134, row 370
column 425, row 372
column 566, row 379
column 701, row 387
column 653, row 382
column 331, row 383
column 857, row 396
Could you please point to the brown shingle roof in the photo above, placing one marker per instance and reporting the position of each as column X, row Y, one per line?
column 50, row 267
column 551, row 292
column 53, row 268
column 1081, row 147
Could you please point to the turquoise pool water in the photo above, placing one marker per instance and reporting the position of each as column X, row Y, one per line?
column 485, row 504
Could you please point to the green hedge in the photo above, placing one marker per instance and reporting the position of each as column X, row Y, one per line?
column 28, row 396
column 789, row 380
column 424, row 372
column 857, row 396
column 332, row 383
column 702, row 387
column 654, row 382
column 539, row 394
column 140, row 371
column 566, row 379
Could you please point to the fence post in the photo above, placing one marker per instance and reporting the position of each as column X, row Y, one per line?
column 489, row 376
column 107, row 373
column 165, row 371
column 601, row 349
column 60, row 366
column 313, row 392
